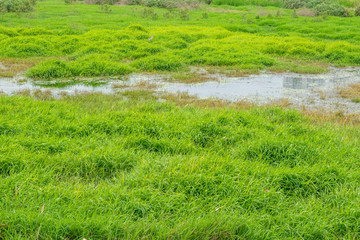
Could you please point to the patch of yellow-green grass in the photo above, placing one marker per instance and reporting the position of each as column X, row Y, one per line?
column 352, row 92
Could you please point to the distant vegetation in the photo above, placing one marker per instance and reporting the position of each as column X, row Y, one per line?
column 155, row 3
column 17, row 6
column 275, row 3
column 286, row 3
column 357, row 12
column 327, row 7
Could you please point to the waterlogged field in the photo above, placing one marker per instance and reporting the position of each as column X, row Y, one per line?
column 133, row 165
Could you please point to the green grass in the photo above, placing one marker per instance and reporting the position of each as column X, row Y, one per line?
column 64, row 38
column 128, row 166
column 100, row 167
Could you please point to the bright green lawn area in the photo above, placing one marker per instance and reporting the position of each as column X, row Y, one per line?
column 100, row 167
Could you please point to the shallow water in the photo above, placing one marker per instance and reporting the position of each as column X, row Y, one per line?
column 312, row 91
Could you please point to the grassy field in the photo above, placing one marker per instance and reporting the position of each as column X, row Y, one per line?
column 131, row 166
column 100, row 167
column 81, row 40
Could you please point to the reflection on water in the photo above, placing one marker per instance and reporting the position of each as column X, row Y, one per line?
column 303, row 82
column 256, row 87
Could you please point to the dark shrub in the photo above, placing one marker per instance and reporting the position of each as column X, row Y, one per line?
column 331, row 9
column 17, row 5
column 357, row 12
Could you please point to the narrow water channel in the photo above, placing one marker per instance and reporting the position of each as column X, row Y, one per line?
column 313, row 91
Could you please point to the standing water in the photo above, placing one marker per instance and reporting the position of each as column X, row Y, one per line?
column 312, row 91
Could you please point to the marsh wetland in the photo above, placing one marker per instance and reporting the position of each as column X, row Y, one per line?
column 179, row 119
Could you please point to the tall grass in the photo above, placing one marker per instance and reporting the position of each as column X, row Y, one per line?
column 101, row 167
column 169, row 42
column 119, row 52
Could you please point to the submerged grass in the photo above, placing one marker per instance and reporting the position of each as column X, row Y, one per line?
column 101, row 167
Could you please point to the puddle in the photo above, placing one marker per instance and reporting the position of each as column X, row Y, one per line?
column 12, row 86
column 311, row 91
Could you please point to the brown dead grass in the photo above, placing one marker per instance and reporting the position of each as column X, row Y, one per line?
column 43, row 94
column 25, row 93
column 146, row 85
column 120, row 85
column 263, row 12
column 13, row 66
column 184, row 99
column 284, row 103
column 122, row 3
column 351, row 92
column 305, row 12
column 324, row 116
column 321, row 116
column 139, row 94
column 231, row 71
column 190, row 77
column 38, row 94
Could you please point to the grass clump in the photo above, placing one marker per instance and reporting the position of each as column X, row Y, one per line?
column 352, row 92
column 305, row 185
column 291, row 154
column 158, row 63
column 53, row 69
column 98, row 67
